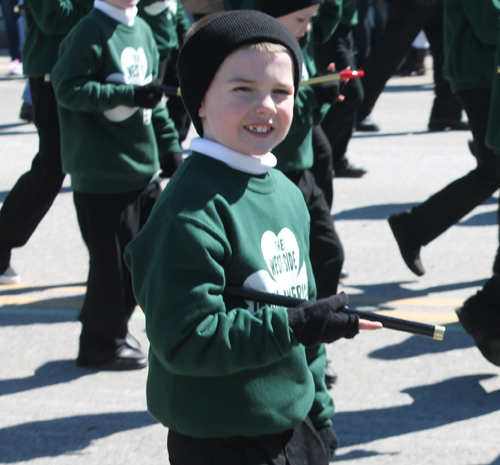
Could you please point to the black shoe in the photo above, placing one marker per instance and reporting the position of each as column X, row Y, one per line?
column 349, row 171
column 442, row 124
column 26, row 112
column 126, row 357
column 486, row 336
column 408, row 246
column 366, row 124
column 330, row 375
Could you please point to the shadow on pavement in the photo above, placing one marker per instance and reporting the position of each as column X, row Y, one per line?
column 28, row 315
column 386, row 292
column 382, row 211
column 69, row 435
column 454, row 338
column 56, row 372
column 434, row 405
column 64, row 190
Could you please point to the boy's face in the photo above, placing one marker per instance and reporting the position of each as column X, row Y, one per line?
column 249, row 104
column 299, row 22
column 123, row 4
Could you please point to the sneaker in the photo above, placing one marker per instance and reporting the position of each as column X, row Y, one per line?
column 486, row 334
column 366, row 124
column 126, row 357
column 9, row 276
column 344, row 273
column 349, row 171
column 444, row 124
column 16, row 68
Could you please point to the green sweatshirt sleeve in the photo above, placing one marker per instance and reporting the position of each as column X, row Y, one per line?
column 323, row 407
column 72, row 78
column 167, row 136
column 56, row 17
column 484, row 20
column 178, row 277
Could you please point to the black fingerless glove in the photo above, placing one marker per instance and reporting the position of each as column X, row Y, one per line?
column 315, row 322
column 147, row 96
column 425, row 3
column 330, row 441
column 327, row 92
column 169, row 164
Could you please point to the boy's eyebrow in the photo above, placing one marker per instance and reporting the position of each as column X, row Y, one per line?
column 250, row 81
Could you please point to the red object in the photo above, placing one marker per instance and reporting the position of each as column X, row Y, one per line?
column 351, row 74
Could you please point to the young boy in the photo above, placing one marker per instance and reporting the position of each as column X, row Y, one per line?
column 113, row 129
column 236, row 382
column 48, row 22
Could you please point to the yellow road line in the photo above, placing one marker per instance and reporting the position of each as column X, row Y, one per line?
column 70, row 297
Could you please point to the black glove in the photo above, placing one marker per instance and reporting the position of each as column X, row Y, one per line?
column 147, row 96
column 320, row 321
column 327, row 92
column 170, row 164
column 425, row 3
column 330, row 440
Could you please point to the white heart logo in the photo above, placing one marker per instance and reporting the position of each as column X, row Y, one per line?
column 285, row 274
column 135, row 66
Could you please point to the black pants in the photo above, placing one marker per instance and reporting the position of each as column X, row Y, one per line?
column 322, row 169
column 108, row 222
column 372, row 17
column 35, row 191
column 338, row 123
column 326, row 251
column 300, row 446
column 445, row 208
column 405, row 21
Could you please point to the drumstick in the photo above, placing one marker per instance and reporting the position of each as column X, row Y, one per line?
column 420, row 329
column 171, row 91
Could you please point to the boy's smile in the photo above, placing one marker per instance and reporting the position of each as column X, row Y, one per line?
column 249, row 104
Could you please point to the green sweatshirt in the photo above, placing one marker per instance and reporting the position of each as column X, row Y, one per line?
column 493, row 134
column 167, row 20
column 220, row 366
column 48, row 22
column 108, row 146
column 470, row 37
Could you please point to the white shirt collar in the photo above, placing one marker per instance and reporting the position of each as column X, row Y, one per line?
column 122, row 16
column 233, row 159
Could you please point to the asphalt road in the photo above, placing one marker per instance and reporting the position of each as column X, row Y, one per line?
column 400, row 399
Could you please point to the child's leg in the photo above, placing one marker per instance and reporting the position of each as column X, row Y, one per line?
column 108, row 222
column 35, row 191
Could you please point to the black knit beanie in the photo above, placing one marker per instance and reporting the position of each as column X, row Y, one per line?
column 205, row 50
column 277, row 8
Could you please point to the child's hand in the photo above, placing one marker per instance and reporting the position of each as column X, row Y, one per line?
column 148, row 96
column 367, row 324
column 320, row 321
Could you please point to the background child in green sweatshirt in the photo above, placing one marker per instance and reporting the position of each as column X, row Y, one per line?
column 235, row 381
column 113, row 129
